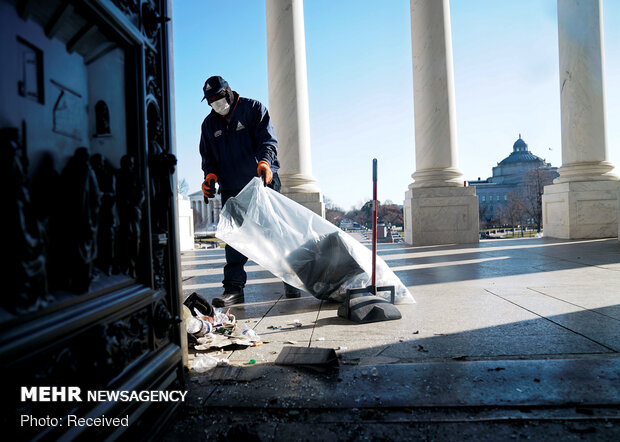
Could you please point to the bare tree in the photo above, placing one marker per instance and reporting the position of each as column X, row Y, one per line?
column 182, row 187
column 391, row 214
column 387, row 213
column 534, row 183
column 333, row 213
column 515, row 210
column 485, row 215
column 500, row 216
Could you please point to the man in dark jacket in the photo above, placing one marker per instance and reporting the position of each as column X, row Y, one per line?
column 237, row 143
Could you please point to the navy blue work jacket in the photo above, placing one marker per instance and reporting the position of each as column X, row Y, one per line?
column 232, row 150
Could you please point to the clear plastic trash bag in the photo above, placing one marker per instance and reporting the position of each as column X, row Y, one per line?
column 298, row 246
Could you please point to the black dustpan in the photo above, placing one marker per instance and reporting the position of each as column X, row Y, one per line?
column 368, row 308
column 363, row 305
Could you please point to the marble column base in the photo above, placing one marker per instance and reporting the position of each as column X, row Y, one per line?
column 298, row 183
column 586, row 171
column 310, row 200
column 441, row 215
column 581, row 209
column 618, row 213
column 437, row 177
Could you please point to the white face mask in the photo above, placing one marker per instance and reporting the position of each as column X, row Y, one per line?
column 221, row 106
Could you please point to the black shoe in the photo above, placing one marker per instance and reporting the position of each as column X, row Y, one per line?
column 228, row 298
column 291, row 292
column 195, row 301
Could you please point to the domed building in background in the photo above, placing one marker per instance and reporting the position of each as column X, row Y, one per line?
column 509, row 180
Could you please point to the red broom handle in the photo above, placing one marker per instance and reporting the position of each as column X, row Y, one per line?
column 374, row 222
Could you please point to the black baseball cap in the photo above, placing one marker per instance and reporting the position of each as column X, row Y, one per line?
column 214, row 85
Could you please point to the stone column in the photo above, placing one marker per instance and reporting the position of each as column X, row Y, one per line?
column 438, row 208
column 583, row 201
column 203, row 211
column 288, row 101
column 218, row 210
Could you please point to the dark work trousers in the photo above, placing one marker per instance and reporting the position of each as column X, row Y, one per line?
column 234, row 274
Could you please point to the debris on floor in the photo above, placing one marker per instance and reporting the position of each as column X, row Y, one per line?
column 204, row 363
column 317, row 359
column 209, row 328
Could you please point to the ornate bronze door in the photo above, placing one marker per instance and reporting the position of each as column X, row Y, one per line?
column 90, row 253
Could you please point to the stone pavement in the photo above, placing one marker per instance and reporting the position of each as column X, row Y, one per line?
column 508, row 338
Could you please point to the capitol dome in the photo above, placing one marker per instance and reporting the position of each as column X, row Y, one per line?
column 521, row 154
column 519, row 145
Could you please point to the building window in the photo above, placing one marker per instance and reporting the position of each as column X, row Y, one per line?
column 505, row 198
column 484, row 198
column 30, row 84
column 497, row 197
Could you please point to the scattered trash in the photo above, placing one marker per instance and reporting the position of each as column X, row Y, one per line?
column 496, row 369
column 250, row 334
column 252, row 361
column 320, row 339
column 459, row 358
column 242, row 342
column 536, row 380
column 198, row 326
column 203, row 363
column 318, row 359
column 273, row 327
column 341, row 348
column 420, row 348
column 195, row 302
column 416, row 332
column 292, row 342
column 374, row 372
column 297, row 323
column 215, row 340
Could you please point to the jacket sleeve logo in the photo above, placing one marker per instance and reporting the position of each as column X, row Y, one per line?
column 217, row 133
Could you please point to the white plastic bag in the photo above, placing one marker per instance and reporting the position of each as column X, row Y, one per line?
column 204, row 363
column 300, row 247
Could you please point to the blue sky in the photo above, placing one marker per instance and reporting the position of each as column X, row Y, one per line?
column 361, row 88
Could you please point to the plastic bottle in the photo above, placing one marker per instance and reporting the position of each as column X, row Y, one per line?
column 197, row 326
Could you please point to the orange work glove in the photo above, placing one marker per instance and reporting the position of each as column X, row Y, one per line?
column 208, row 186
column 263, row 168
